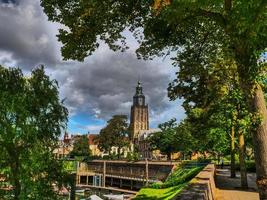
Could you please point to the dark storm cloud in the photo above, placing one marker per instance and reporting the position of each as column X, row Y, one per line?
column 105, row 86
column 101, row 86
column 8, row 1
column 25, row 35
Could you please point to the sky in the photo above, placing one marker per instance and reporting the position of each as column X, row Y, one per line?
column 94, row 90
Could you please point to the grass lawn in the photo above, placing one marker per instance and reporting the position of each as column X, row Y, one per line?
column 165, row 193
column 70, row 166
column 172, row 186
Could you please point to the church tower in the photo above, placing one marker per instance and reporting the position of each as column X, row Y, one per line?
column 139, row 113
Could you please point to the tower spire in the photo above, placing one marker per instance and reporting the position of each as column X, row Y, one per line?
column 139, row 112
column 139, row 89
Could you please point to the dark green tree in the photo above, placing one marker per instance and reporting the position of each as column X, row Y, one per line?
column 118, row 127
column 31, row 120
column 215, row 102
column 184, row 140
column 165, row 139
column 81, row 147
column 104, row 140
column 238, row 27
column 115, row 134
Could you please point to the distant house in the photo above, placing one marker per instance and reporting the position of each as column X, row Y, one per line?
column 65, row 146
column 93, row 145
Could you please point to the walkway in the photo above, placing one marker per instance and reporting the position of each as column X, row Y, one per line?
column 229, row 188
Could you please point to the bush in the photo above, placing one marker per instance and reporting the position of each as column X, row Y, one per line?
column 134, row 156
column 250, row 165
column 179, row 176
column 156, row 185
column 112, row 156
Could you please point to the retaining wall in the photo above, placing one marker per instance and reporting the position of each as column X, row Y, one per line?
column 202, row 187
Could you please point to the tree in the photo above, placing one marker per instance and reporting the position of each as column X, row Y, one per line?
column 81, row 147
column 31, row 120
column 104, row 140
column 118, row 127
column 208, row 131
column 214, row 102
column 115, row 134
column 184, row 140
column 165, row 139
column 239, row 28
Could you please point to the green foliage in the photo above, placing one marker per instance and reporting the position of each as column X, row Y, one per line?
column 176, row 138
column 31, row 120
column 178, row 179
column 133, row 156
column 104, row 140
column 238, row 27
column 158, row 194
column 164, row 140
column 81, row 147
column 115, row 134
column 250, row 166
column 110, row 157
column 179, row 176
column 209, row 38
column 70, row 166
column 185, row 141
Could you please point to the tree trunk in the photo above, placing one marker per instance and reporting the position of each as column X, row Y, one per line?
column 233, row 174
column 15, row 177
column 168, row 156
column 119, row 152
column 72, row 186
column 260, row 140
column 218, row 158
column 243, row 170
column 247, row 62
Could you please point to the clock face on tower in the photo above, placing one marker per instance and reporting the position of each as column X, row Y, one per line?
column 140, row 101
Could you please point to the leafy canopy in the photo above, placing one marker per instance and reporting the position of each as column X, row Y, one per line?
column 115, row 134
column 81, row 147
column 165, row 25
column 31, row 120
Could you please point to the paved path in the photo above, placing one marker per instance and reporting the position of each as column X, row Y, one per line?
column 229, row 188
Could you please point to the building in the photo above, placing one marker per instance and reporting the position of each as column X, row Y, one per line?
column 93, row 146
column 139, row 119
column 139, row 124
column 144, row 146
column 65, row 146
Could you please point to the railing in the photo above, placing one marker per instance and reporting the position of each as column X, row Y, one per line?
column 156, row 172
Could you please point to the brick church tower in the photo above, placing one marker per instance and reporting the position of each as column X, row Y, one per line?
column 139, row 113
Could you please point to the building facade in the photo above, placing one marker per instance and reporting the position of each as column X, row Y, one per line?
column 93, row 145
column 139, row 119
column 144, row 147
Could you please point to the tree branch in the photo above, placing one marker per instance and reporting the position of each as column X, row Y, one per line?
column 216, row 17
column 227, row 5
column 261, row 8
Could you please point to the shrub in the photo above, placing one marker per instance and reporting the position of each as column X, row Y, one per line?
column 250, row 165
column 156, row 185
column 179, row 176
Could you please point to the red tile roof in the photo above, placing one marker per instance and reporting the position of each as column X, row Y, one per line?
column 91, row 138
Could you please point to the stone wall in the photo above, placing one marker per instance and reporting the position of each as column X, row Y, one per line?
column 202, row 187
